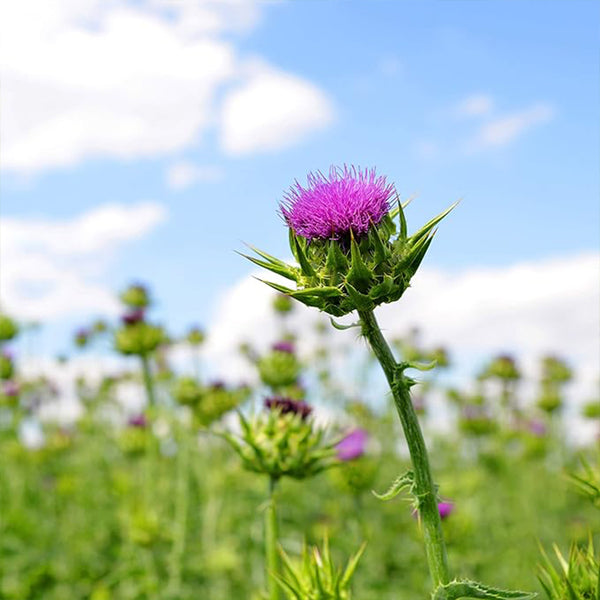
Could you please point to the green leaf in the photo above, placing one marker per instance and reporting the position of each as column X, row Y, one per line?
column 352, row 564
column 336, row 261
column 341, row 327
column 360, row 301
column 277, row 286
column 455, row 590
column 403, row 481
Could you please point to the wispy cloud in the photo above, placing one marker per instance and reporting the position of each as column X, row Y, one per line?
column 182, row 175
column 506, row 129
column 475, row 105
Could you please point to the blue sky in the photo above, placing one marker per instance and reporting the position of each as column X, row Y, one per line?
column 496, row 103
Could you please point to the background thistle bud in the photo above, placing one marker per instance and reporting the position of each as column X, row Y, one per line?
column 139, row 339
column 280, row 367
column 282, row 444
column 7, row 366
column 351, row 252
column 136, row 296
column 282, row 304
column 195, row 336
column 8, row 328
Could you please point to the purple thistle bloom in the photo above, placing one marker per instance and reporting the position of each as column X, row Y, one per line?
column 137, row 421
column 353, row 445
column 287, row 405
column 131, row 317
column 331, row 207
column 283, row 346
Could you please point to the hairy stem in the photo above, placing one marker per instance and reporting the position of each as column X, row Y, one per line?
column 271, row 553
column 424, row 488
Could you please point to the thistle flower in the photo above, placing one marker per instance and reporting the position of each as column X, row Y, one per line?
column 351, row 254
column 137, row 421
column 287, row 405
column 347, row 202
column 353, row 445
column 133, row 316
column 283, row 346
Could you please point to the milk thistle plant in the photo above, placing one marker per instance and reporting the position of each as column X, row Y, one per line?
column 349, row 236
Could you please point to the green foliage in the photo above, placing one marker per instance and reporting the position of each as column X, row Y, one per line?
column 8, row 328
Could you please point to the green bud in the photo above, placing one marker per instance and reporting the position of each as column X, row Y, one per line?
column 279, row 369
column 195, row 337
column 139, row 339
column 278, row 445
column 7, row 367
column 8, row 328
column 136, row 296
column 282, row 304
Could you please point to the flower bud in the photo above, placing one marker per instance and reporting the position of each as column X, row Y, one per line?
column 136, row 296
column 139, row 339
column 8, row 328
column 279, row 368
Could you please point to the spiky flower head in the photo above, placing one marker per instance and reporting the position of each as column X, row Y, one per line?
column 282, row 444
column 136, row 296
column 279, row 368
column 347, row 202
column 139, row 338
column 288, row 405
column 315, row 577
column 351, row 253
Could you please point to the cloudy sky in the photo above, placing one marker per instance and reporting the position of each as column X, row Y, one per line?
column 147, row 140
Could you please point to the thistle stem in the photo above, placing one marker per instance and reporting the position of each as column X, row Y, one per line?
column 148, row 383
column 424, row 488
column 271, row 553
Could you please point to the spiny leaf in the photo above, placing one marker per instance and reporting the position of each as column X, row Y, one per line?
column 403, row 481
column 277, row 286
column 359, row 275
column 302, row 260
column 319, row 292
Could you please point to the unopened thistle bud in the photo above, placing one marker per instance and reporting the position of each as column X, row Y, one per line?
column 351, row 253
column 281, row 442
column 139, row 339
column 195, row 336
column 136, row 296
column 280, row 367
column 8, row 328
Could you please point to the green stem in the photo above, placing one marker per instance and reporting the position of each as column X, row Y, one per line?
column 148, row 383
column 271, row 552
column 424, row 490
column 180, row 516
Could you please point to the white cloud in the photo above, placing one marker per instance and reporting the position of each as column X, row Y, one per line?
column 503, row 130
column 271, row 110
column 530, row 309
column 102, row 78
column 182, row 175
column 475, row 105
column 53, row 268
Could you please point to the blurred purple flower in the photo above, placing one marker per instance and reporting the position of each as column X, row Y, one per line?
column 353, row 445
column 347, row 201
column 287, row 405
column 537, row 427
column 10, row 389
column 445, row 509
column 137, row 421
column 283, row 346
column 131, row 317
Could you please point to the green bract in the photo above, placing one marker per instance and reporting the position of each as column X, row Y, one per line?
column 139, row 339
column 282, row 445
column 339, row 276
